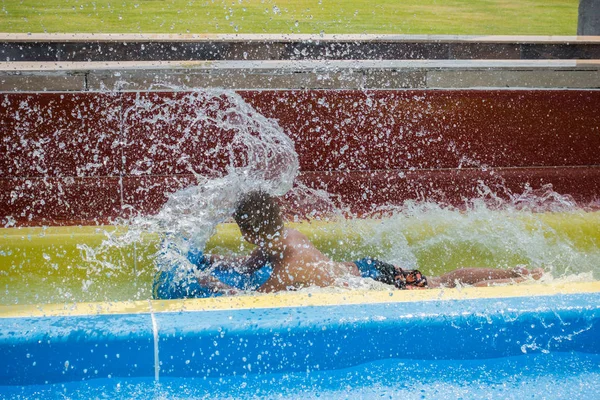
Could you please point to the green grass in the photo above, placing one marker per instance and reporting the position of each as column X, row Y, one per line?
column 457, row 17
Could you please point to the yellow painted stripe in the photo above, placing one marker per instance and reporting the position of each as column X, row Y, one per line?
column 296, row 299
column 72, row 309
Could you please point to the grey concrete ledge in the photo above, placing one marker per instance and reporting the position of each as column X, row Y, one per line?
column 296, row 65
column 153, row 47
column 397, row 74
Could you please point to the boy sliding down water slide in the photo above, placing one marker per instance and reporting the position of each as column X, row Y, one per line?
column 285, row 259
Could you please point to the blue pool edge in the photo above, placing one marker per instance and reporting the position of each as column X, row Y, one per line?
column 292, row 332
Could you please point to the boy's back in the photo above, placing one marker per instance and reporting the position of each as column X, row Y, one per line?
column 297, row 263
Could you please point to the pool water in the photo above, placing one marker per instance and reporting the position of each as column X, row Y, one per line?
column 529, row 376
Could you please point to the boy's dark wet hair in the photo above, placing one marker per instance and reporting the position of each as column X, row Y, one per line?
column 258, row 213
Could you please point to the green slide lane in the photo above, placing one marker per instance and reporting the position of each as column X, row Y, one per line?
column 69, row 264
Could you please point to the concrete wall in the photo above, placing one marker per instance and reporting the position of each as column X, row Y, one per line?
column 589, row 17
column 70, row 158
column 340, row 74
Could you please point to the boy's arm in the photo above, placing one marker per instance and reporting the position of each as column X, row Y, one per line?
column 224, row 262
column 216, row 286
column 254, row 262
column 245, row 265
column 275, row 284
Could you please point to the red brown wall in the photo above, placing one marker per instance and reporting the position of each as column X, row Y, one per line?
column 70, row 158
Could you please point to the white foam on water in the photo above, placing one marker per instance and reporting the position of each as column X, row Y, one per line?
column 441, row 238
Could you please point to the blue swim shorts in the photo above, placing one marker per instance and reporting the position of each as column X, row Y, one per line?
column 390, row 274
column 177, row 282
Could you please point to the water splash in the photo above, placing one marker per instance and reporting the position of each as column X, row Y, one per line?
column 536, row 228
column 258, row 155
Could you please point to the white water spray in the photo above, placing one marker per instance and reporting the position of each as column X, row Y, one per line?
column 260, row 156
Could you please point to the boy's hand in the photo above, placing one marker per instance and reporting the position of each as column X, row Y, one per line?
column 215, row 285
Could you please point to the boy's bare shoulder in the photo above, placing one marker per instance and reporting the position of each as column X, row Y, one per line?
column 292, row 235
column 292, row 231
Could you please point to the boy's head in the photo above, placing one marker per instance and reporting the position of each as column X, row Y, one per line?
column 258, row 215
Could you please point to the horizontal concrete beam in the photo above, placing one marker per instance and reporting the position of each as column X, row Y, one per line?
column 146, row 47
column 341, row 74
column 297, row 65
